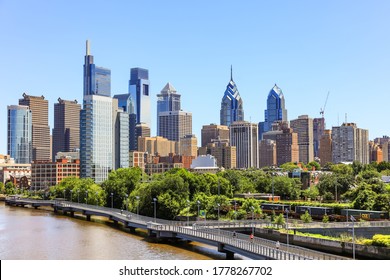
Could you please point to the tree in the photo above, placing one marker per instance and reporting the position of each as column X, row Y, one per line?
column 10, row 188
column 279, row 220
column 2, row 187
column 313, row 164
column 289, row 166
column 306, row 218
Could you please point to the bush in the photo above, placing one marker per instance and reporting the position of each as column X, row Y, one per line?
column 306, row 218
column 381, row 240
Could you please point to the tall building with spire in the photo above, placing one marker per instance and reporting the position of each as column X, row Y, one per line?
column 275, row 111
column 167, row 100
column 232, row 105
column 97, row 80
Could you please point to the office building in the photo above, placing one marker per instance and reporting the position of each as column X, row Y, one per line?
column 287, row 149
column 275, row 111
column 303, row 126
column 139, row 92
column 189, row 145
column 376, row 153
column 137, row 159
column 39, row 108
column 167, row 100
column 244, row 136
column 232, row 105
column 120, row 136
column 174, row 125
column 97, row 80
column 66, row 131
column 318, row 131
column 142, row 130
column 350, row 143
column 325, row 150
column 157, row 146
column 19, row 133
column 96, row 137
column 267, row 153
column 224, row 154
column 214, row 132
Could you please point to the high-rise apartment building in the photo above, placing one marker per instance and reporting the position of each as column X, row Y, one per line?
column 287, row 149
column 303, row 126
column 167, row 100
column 325, row 151
column 40, row 126
column 244, row 136
column 318, row 131
column 350, row 143
column 376, row 154
column 214, row 132
column 189, row 145
column 19, row 133
column 267, row 153
column 66, row 131
column 232, row 105
column 96, row 137
column 275, row 111
column 97, row 80
column 174, row 125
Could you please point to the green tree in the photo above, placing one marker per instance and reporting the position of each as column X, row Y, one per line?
column 279, row 220
column 10, row 188
column 306, row 218
column 289, row 166
column 313, row 165
column 2, row 187
column 325, row 219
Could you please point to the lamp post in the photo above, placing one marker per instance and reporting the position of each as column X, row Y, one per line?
column 287, row 224
column 218, row 205
column 64, row 193
column 235, row 210
column 253, row 225
column 272, row 183
column 137, row 197
column 198, row 202
column 112, row 200
column 126, row 203
column 154, row 204
column 78, row 196
column 96, row 198
column 188, row 212
column 71, row 191
column 353, row 236
column 86, row 197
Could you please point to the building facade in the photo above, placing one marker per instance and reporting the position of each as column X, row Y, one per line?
column 244, row 136
column 174, row 125
column 318, row 131
column 276, row 110
column 167, row 100
column 267, row 153
column 19, row 133
column 350, row 143
column 214, row 132
column 96, row 137
column 66, row 130
column 17, row 173
column 325, row 150
column 287, row 149
column 189, row 145
column 39, row 108
column 232, row 106
column 120, row 136
column 157, row 146
column 303, row 126
column 139, row 92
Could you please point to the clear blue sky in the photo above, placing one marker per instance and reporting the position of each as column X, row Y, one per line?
column 307, row 47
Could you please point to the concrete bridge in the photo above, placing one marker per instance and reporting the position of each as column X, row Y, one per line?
column 213, row 233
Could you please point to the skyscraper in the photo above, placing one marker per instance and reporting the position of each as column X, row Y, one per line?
column 19, row 133
column 303, row 126
column 167, row 100
column 318, row 131
column 214, row 132
column 120, row 140
column 66, row 131
column 175, row 124
column 139, row 92
column 244, row 136
column 189, row 145
column 275, row 111
column 97, row 80
column 325, row 150
column 40, row 126
column 350, row 143
column 232, row 105
column 267, row 153
column 287, row 149
column 96, row 137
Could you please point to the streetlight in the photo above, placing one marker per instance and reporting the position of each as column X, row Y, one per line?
column 272, row 183
column 154, row 204
column 287, row 224
column 86, row 197
column 71, row 191
column 126, row 195
column 235, row 211
column 253, row 225
column 112, row 200
column 218, row 205
column 198, row 202
column 96, row 198
column 137, row 197
column 353, row 235
column 188, row 213
column 64, row 194
column 78, row 196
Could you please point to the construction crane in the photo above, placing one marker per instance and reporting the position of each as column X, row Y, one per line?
column 322, row 110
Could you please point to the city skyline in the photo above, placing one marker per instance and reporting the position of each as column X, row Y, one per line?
column 313, row 48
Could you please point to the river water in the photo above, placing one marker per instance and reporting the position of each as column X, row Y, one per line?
column 40, row 234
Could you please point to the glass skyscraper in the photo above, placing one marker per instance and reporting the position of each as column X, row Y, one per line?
column 97, row 80
column 167, row 100
column 232, row 105
column 19, row 133
column 275, row 111
column 96, row 138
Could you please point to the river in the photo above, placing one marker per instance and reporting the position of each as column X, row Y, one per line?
column 40, row 234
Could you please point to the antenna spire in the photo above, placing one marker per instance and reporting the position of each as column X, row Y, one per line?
column 231, row 72
column 87, row 48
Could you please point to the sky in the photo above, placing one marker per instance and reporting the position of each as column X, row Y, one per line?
column 308, row 48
